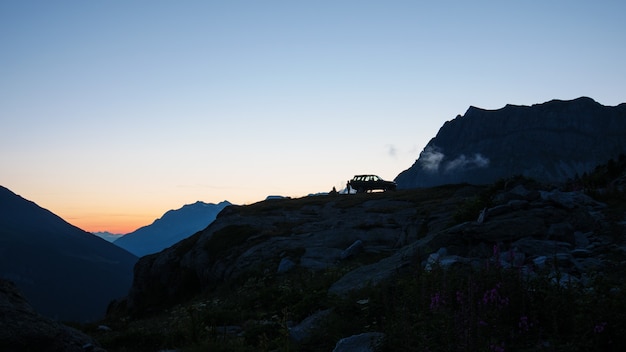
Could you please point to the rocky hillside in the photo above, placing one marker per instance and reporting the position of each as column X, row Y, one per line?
column 289, row 272
column 550, row 142
column 530, row 223
column 312, row 233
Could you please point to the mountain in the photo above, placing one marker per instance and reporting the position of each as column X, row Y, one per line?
column 63, row 271
column 110, row 237
column 172, row 227
column 549, row 142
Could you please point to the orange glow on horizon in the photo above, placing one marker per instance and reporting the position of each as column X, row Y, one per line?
column 118, row 226
column 115, row 224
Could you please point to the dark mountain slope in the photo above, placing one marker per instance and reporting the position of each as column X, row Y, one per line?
column 65, row 272
column 549, row 142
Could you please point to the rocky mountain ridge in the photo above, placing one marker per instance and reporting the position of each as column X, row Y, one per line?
column 549, row 142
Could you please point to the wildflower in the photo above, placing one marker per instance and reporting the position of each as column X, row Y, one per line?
column 493, row 297
column 497, row 348
column 496, row 255
column 459, row 297
column 599, row 328
column 436, row 301
column 496, row 251
column 523, row 324
column 490, row 296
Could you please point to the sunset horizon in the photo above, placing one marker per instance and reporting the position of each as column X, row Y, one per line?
column 114, row 112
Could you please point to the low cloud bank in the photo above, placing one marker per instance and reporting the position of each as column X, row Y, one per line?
column 432, row 159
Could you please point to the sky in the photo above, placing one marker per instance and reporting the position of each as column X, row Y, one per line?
column 113, row 112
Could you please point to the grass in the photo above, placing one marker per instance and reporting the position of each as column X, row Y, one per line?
column 495, row 309
column 460, row 308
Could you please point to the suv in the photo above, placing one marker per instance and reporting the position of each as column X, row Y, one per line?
column 365, row 183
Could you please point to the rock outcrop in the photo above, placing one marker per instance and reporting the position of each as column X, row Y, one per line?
column 563, row 230
column 23, row 329
column 549, row 142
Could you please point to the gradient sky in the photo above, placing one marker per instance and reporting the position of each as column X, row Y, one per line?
column 113, row 112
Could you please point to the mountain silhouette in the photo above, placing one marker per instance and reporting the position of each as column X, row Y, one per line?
column 64, row 272
column 108, row 236
column 173, row 226
column 549, row 142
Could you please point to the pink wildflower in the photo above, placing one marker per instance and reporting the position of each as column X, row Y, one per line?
column 599, row 328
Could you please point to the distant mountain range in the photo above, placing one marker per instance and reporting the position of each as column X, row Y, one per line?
column 111, row 237
column 64, row 272
column 172, row 227
column 549, row 142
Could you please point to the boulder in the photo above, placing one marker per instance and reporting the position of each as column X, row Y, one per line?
column 285, row 265
column 354, row 249
column 365, row 342
column 570, row 200
column 562, row 232
column 538, row 248
column 303, row 331
column 319, row 258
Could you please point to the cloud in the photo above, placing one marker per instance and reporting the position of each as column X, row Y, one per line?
column 392, row 151
column 430, row 158
column 462, row 162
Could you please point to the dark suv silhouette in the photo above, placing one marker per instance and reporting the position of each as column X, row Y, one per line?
column 366, row 183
